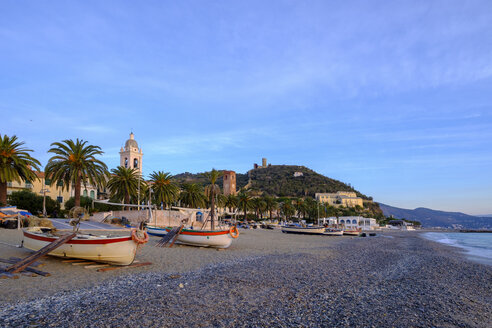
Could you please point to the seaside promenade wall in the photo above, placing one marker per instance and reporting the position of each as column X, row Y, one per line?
column 159, row 217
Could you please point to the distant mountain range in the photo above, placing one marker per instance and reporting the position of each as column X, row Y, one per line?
column 433, row 218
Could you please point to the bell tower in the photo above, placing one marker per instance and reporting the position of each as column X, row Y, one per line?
column 229, row 183
column 131, row 155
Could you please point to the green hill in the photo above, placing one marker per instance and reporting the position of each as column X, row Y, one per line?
column 278, row 180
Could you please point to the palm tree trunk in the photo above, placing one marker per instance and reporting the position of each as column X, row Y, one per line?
column 3, row 193
column 77, row 191
column 270, row 215
column 127, row 201
column 245, row 213
column 212, row 210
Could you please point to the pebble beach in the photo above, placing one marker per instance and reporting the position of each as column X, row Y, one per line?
column 265, row 279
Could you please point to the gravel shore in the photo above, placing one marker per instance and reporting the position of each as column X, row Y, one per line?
column 270, row 279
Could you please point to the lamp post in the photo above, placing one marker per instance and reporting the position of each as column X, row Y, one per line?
column 138, row 195
column 44, row 191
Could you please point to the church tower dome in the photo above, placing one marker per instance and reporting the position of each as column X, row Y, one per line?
column 131, row 155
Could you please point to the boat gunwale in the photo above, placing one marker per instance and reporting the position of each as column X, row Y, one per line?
column 79, row 241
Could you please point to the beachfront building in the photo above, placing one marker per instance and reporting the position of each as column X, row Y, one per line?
column 41, row 186
column 229, row 183
column 131, row 155
column 351, row 222
column 340, row 198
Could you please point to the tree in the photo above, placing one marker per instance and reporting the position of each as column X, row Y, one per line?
column 270, row 205
column 164, row 189
column 75, row 163
column 33, row 203
column 212, row 190
column 123, row 183
column 231, row 203
column 192, row 196
column 16, row 164
column 287, row 209
column 300, row 206
column 244, row 202
column 259, row 206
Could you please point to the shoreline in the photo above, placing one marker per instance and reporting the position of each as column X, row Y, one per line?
column 275, row 279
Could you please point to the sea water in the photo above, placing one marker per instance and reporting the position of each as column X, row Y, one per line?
column 478, row 246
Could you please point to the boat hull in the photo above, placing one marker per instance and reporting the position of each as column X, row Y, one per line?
column 156, row 231
column 117, row 250
column 203, row 238
column 351, row 233
column 333, row 233
column 304, row 230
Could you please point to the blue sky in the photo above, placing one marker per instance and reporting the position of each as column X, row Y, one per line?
column 393, row 97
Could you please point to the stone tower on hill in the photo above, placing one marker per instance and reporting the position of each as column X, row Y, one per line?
column 229, row 184
column 131, row 155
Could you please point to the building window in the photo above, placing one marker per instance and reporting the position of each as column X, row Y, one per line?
column 47, row 182
column 126, row 162
column 85, row 193
column 59, row 199
column 354, row 222
column 60, row 183
column 135, row 163
column 9, row 184
column 28, row 184
column 92, row 194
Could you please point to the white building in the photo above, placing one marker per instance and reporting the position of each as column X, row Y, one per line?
column 351, row 222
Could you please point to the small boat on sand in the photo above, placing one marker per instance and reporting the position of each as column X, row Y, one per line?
column 156, row 231
column 333, row 232
column 297, row 229
column 207, row 238
column 355, row 232
column 107, row 249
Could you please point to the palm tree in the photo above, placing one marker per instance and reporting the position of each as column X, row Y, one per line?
column 259, row 206
column 123, row 184
column 75, row 164
column 300, row 206
column 244, row 202
column 212, row 190
column 164, row 189
column 15, row 164
column 270, row 205
column 287, row 209
column 231, row 202
column 192, row 196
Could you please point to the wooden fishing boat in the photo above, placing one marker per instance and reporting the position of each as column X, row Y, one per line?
column 113, row 250
column 156, row 231
column 313, row 230
column 333, row 232
column 354, row 232
column 207, row 238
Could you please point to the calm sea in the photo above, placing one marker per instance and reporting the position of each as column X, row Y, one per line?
column 478, row 246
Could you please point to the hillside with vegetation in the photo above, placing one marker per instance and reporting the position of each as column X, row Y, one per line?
column 279, row 180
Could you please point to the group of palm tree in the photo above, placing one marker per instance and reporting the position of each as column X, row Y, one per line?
column 74, row 164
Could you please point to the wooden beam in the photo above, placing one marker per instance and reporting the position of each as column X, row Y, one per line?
column 39, row 272
column 19, row 266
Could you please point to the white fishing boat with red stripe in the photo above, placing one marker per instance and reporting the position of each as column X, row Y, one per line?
column 107, row 249
column 206, row 238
